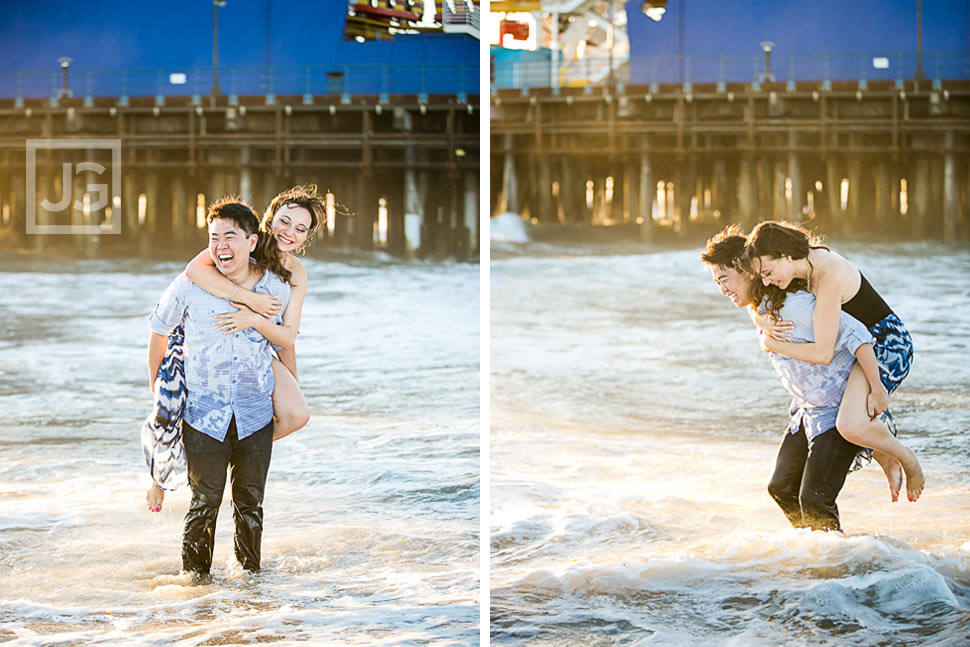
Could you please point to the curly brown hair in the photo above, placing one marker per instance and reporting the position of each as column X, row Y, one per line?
column 301, row 196
column 772, row 297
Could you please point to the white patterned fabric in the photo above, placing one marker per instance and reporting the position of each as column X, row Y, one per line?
column 161, row 433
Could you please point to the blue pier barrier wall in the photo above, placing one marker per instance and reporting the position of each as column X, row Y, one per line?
column 295, row 47
column 705, row 41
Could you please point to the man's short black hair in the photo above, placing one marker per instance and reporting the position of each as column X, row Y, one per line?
column 233, row 208
column 724, row 248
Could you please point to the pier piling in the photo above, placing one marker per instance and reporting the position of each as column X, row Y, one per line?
column 896, row 164
column 367, row 150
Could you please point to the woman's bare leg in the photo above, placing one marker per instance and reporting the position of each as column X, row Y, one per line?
column 855, row 425
column 289, row 405
column 155, row 497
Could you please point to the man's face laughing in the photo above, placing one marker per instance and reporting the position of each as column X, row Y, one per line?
column 229, row 246
column 733, row 284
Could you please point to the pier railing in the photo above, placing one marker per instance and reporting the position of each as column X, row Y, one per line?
column 196, row 82
column 461, row 17
column 724, row 69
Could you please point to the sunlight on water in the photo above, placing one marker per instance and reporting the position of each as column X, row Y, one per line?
column 634, row 429
column 371, row 510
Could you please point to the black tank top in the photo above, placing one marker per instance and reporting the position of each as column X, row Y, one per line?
column 867, row 306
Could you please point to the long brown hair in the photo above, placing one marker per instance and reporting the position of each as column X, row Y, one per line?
column 269, row 257
column 772, row 296
column 777, row 238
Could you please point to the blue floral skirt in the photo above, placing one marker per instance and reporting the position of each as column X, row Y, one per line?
column 894, row 354
column 894, row 351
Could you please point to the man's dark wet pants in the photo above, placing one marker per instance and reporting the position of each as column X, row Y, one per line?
column 809, row 476
column 248, row 463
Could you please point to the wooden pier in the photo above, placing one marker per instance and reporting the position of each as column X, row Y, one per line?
column 405, row 166
column 882, row 159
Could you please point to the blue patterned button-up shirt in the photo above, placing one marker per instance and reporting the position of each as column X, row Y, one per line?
column 816, row 388
column 225, row 375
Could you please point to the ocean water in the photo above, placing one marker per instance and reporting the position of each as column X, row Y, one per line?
column 634, row 428
column 371, row 511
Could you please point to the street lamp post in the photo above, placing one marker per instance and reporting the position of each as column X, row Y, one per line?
column 920, row 75
column 65, row 63
column 611, row 35
column 767, row 77
column 680, row 39
column 215, row 91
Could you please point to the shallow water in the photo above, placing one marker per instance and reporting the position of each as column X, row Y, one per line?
column 634, row 427
column 371, row 528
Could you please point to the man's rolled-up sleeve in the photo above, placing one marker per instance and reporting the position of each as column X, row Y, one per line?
column 852, row 334
column 170, row 309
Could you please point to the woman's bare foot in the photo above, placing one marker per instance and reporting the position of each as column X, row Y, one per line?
column 893, row 470
column 914, row 476
column 155, row 497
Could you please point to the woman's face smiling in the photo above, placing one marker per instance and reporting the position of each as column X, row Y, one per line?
column 290, row 227
column 776, row 271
